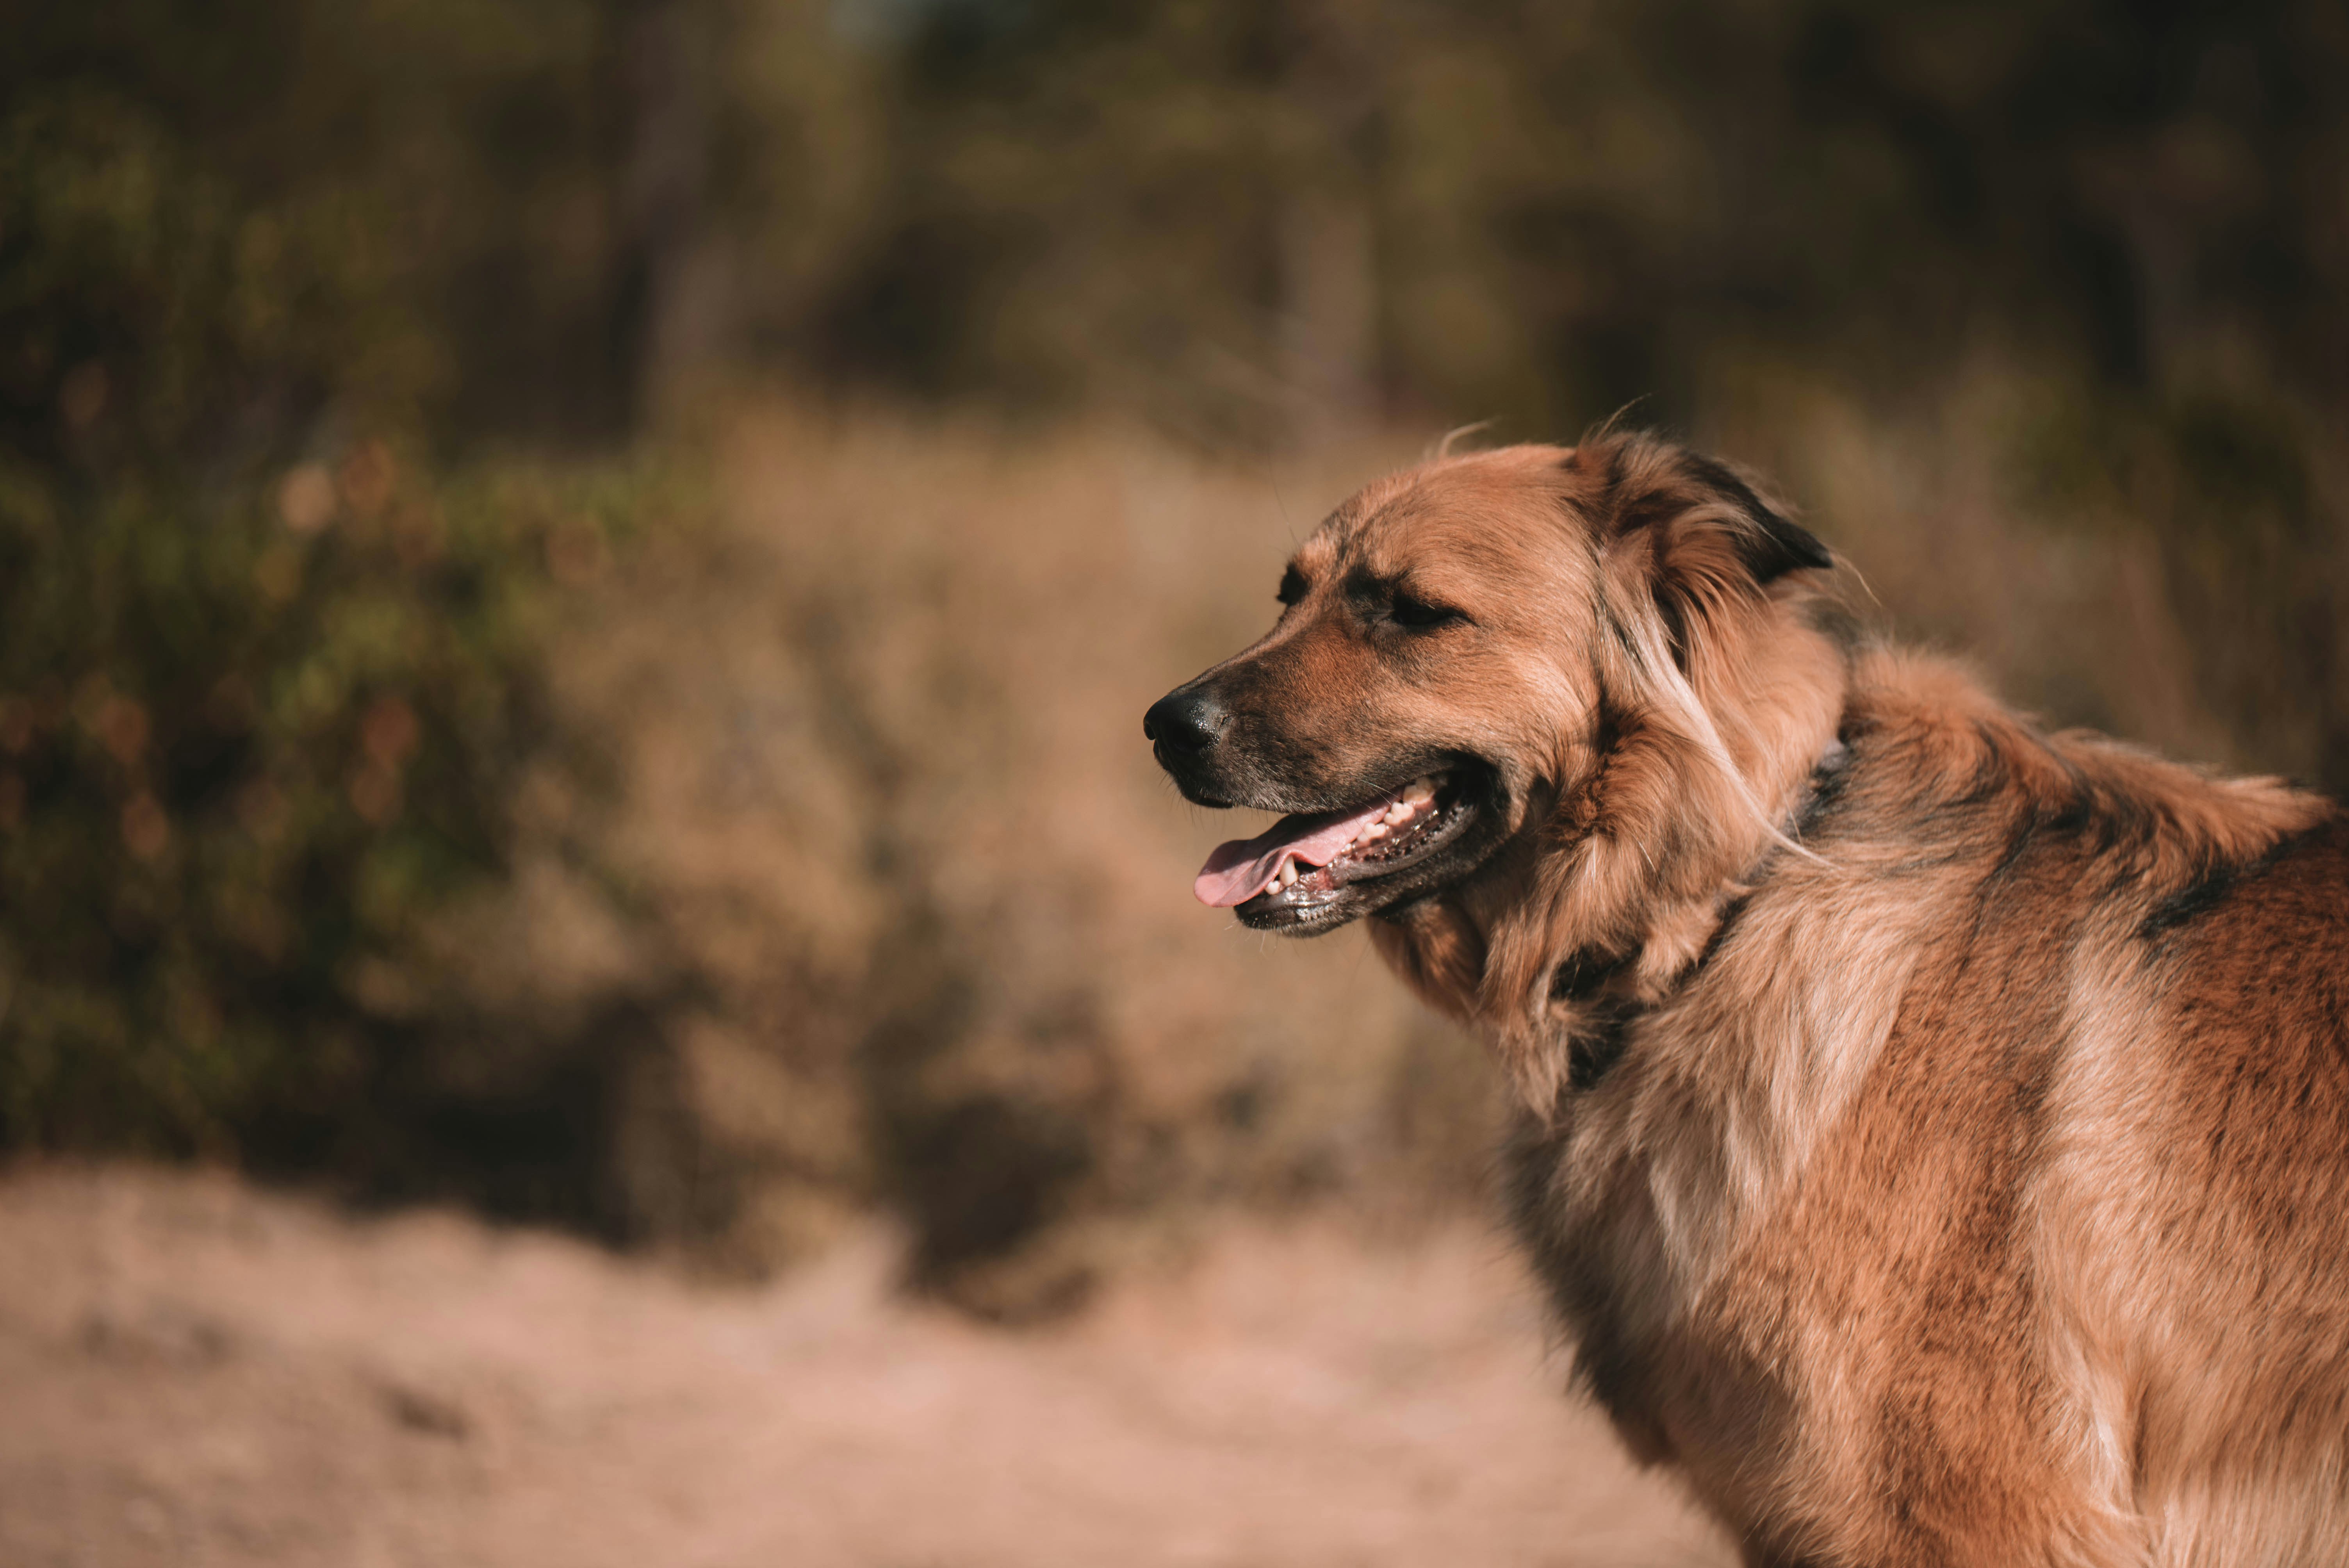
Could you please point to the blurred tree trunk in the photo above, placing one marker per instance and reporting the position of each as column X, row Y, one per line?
column 668, row 296
column 1328, row 337
column 1329, row 328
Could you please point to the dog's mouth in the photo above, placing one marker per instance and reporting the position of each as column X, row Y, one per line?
column 1313, row 872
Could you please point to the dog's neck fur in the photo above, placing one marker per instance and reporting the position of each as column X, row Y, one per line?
column 1617, row 881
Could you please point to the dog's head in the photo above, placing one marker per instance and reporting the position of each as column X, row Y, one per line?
column 1460, row 649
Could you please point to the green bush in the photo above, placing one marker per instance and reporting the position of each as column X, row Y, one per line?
column 264, row 687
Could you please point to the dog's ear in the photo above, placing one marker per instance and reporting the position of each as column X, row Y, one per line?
column 1712, row 696
column 1700, row 534
column 1768, row 543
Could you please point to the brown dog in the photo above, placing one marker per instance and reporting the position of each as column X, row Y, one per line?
column 1935, row 1132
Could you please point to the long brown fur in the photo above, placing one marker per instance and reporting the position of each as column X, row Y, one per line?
column 1934, row 1131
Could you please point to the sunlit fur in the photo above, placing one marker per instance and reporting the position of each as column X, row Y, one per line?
column 1934, row 1131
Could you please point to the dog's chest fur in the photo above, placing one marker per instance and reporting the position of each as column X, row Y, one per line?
column 1644, row 1196
column 1806, row 1149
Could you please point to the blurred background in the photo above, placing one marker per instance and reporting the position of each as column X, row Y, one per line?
column 577, row 583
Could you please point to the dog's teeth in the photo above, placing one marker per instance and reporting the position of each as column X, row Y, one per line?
column 1289, row 873
column 1375, row 830
column 1398, row 813
column 1420, row 793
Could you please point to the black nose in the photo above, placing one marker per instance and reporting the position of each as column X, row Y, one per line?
column 1184, row 721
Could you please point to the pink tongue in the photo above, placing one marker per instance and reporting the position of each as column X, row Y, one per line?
column 1237, row 872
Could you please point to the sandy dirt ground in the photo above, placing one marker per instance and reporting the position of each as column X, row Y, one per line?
column 195, row 1372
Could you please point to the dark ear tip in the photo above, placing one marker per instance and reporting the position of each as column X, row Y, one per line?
column 1777, row 546
column 1806, row 548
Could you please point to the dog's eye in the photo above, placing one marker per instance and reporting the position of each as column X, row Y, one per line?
column 1292, row 586
column 1418, row 614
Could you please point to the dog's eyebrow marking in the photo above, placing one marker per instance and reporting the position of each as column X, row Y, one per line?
column 1367, row 583
column 1312, row 556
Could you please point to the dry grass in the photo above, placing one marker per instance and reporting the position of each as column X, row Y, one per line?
column 908, row 901
column 195, row 1374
